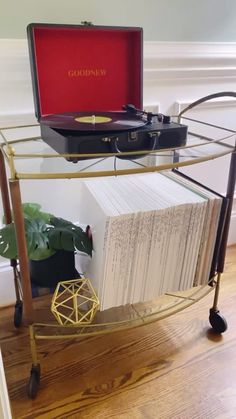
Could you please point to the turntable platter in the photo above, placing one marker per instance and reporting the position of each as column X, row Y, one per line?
column 91, row 122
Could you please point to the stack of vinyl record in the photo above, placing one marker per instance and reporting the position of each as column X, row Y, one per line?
column 152, row 234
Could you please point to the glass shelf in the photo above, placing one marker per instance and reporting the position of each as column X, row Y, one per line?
column 122, row 317
column 21, row 144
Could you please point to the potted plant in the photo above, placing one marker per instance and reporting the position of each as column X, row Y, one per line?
column 51, row 244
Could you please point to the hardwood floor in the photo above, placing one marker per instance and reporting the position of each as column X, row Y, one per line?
column 174, row 368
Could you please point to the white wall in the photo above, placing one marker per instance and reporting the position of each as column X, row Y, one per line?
column 173, row 20
column 175, row 74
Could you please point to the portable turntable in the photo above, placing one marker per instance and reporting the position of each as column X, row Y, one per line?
column 83, row 77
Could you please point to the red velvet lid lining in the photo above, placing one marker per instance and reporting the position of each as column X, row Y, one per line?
column 86, row 68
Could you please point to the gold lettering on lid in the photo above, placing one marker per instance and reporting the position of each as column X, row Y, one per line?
column 87, row 72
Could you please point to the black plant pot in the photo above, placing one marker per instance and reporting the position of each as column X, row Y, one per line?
column 48, row 272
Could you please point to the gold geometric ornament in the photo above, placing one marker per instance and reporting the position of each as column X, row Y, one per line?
column 74, row 302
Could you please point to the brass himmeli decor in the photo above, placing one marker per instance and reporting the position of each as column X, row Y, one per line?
column 74, row 302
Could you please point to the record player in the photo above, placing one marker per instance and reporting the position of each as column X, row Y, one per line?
column 84, row 79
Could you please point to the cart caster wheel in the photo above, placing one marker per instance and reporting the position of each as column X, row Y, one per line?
column 217, row 321
column 18, row 314
column 34, row 381
column 72, row 159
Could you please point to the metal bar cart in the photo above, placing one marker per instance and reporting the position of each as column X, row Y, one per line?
column 13, row 150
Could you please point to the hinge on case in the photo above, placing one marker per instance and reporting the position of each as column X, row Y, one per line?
column 86, row 23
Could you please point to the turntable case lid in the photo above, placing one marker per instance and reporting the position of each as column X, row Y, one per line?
column 85, row 68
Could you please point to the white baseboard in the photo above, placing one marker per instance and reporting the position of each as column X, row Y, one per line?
column 232, row 230
column 5, row 410
column 7, row 289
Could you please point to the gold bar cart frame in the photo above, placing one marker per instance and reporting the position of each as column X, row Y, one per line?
column 43, row 331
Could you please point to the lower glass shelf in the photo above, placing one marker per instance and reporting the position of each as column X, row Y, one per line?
column 124, row 317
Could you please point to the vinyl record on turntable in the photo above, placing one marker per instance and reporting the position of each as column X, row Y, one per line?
column 91, row 122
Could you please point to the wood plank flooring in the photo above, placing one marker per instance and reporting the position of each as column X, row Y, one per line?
column 174, row 368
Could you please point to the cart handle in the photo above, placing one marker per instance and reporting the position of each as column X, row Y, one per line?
column 205, row 99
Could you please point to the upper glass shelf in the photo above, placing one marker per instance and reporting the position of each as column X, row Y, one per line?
column 29, row 157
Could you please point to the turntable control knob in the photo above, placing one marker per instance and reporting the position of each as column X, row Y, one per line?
column 154, row 134
column 166, row 119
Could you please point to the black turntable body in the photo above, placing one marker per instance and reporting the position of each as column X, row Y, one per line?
column 82, row 78
column 152, row 136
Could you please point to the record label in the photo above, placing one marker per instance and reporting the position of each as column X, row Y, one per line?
column 93, row 119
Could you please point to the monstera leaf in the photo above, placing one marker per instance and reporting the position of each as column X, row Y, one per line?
column 67, row 236
column 33, row 211
column 8, row 247
column 37, row 239
column 45, row 234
